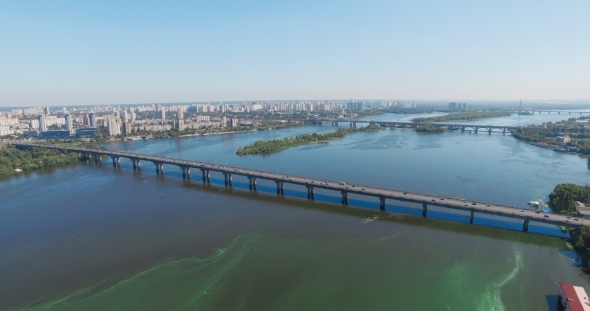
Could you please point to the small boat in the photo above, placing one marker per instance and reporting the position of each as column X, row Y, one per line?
column 533, row 203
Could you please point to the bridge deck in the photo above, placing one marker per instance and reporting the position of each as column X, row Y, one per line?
column 453, row 203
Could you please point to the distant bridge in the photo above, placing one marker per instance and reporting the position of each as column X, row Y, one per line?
column 405, row 124
column 311, row 184
column 550, row 111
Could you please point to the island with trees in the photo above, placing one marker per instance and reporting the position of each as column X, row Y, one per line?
column 431, row 129
column 465, row 116
column 276, row 145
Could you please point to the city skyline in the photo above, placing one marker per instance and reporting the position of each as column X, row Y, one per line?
column 110, row 53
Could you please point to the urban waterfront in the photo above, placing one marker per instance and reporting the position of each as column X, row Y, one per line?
column 181, row 244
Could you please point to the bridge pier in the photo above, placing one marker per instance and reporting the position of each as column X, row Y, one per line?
column 382, row 203
column 490, row 131
column 424, row 210
column 116, row 161
column 252, row 183
column 227, row 179
column 186, row 171
column 476, row 129
column 462, row 129
column 206, row 175
column 310, row 194
column 525, row 225
column 344, row 198
column 280, row 187
column 471, row 216
column 134, row 162
column 159, row 168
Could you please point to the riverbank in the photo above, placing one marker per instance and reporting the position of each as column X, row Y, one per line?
column 15, row 160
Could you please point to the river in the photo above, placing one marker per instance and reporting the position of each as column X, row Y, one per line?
column 94, row 237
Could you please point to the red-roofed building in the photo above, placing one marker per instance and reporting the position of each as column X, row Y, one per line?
column 573, row 298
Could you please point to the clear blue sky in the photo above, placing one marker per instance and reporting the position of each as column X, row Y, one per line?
column 115, row 52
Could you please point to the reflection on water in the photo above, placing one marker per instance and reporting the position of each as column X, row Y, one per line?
column 94, row 237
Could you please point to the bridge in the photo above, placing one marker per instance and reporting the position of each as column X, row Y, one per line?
column 311, row 184
column 550, row 111
column 404, row 124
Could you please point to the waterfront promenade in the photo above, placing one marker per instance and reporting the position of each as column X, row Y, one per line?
column 342, row 187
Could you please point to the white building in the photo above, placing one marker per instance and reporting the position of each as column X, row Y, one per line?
column 69, row 124
column 5, row 130
column 563, row 139
column 113, row 126
column 42, row 123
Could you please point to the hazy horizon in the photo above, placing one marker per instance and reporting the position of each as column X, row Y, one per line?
column 113, row 52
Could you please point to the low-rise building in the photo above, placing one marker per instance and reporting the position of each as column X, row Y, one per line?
column 573, row 298
column 563, row 139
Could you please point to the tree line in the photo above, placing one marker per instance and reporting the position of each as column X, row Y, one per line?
column 562, row 200
column 276, row 145
column 12, row 158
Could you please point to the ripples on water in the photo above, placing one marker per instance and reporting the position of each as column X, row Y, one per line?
column 110, row 239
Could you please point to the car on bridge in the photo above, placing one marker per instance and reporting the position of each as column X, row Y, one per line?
column 342, row 183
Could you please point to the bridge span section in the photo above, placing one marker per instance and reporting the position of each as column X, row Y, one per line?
column 311, row 184
column 404, row 124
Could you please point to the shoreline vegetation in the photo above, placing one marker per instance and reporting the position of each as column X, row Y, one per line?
column 465, row 116
column 266, row 147
column 573, row 128
column 431, row 129
column 15, row 160
column 562, row 200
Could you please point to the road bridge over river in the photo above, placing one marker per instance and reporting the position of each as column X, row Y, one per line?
column 404, row 124
column 311, row 184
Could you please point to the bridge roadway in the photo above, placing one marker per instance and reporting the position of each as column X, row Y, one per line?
column 310, row 183
column 453, row 126
column 550, row 111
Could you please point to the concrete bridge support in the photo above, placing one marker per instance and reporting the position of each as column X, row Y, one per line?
column 382, row 203
column 525, row 225
column 344, row 198
column 472, row 216
column 252, row 183
column 424, row 210
column 116, row 161
column 97, row 158
column 159, row 167
column 476, row 129
column 186, row 171
column 280, row 187
column 206, row 175
column 227, row 179
column 136, row 164
column 310, row 194
column 490, row 131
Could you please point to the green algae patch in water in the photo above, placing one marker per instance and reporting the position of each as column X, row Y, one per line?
column 260, row 273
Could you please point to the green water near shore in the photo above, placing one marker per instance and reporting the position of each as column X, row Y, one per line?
column 257, row 272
